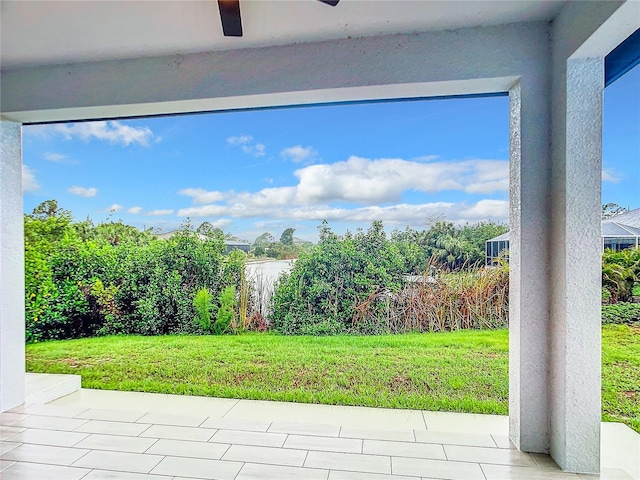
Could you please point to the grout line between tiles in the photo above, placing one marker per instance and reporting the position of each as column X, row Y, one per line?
column 230, row 408
column 202, row 422
column 156, row 441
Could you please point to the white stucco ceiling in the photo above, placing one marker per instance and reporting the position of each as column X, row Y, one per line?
column 58, row 32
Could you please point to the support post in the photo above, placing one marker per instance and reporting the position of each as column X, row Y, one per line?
column 528, row 263
column 575, row 326
column 12, row 326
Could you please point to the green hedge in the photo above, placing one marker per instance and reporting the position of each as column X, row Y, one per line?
column 83, row 280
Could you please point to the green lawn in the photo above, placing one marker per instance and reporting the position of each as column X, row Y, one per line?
column 463, row 371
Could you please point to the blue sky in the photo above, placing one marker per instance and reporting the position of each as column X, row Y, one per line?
column 250, row 172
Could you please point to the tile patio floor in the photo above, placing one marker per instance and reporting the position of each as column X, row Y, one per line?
column 94, row 435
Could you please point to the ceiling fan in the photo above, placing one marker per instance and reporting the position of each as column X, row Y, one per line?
column 231, row 20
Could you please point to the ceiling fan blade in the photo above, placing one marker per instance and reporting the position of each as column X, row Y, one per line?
column 230, row 17
column 333, row 3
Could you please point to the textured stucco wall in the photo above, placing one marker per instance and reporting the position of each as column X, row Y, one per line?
column 12, row 362
column 582, row 35
column 530, row 171
column 451, row 62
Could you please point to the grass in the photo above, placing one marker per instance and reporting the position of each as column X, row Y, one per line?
column 464, row 371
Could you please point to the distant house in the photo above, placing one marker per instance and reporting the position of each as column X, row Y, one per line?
column 618, row 233
column 235, row 245
column 230, row 244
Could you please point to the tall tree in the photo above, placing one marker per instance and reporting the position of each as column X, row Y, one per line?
column 287, row 236
column 610, row 210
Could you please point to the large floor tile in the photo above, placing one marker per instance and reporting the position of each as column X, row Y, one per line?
column 173, row 420
column 325, row 444
column 111, row 415
column 34, row 471
column 53, row 410
column 349, row 461
column 446, row 470
column 51, row 423
column 252, row 471
column 374, row 434
column 375, row 418
column 237, row 424
column 258, row 439
column 118, row 443
column 54, row 438
column 12, row 418
column 502, row 441
column 314, row 429
column 119, row 461
column 198, row 468
column 4, row 464
column 112, row 428
column 107, row 399
column 342, row 475
column 509, row 472
column 449, row 438
column 500, row 456
column 179, row 433
column 7, row 432
column 184, row 448
column 7, row 447
column 268, row 455
column 466, row 422
column 404, row 449
column 111, row 475
column 44, row 454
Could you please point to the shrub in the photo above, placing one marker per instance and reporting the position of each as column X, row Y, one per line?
column 83, row 280
column 621, row 313
column 329, row 280
column 620, row 272
column 225, row 319
column 203, row 305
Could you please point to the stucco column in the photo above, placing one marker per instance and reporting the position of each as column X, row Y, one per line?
column 575, row 324
column 12, row 335
column 530, row 171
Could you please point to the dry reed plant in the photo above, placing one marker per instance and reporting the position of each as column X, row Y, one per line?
column 469, row 299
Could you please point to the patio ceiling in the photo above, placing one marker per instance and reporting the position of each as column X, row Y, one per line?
column 38, row 33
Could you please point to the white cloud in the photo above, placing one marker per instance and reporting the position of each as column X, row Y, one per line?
column 240, row 140
column 377, row 181
column 110, row 131
column 135, row 210
column 157, row 213
column 115, row 207
column 402, row 214
column 257, row 150
column 369, row 183
column 29, row 182
column 299, row 153
column 56, row 157
column 200, row 195
column 86, row 192
column 204, row 211
column 247, row 145
column 610, row 175
column 486, row 209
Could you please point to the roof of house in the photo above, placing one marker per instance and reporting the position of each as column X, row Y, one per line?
column 631, row 218
column 609, row 228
